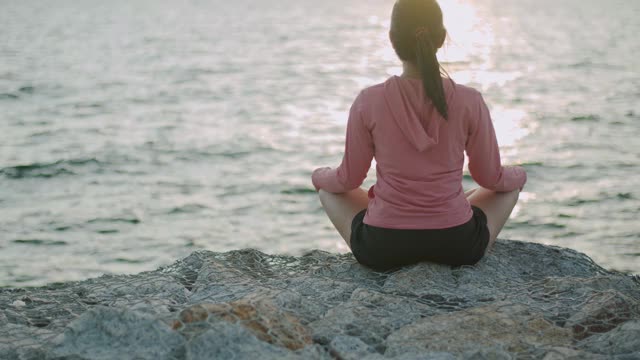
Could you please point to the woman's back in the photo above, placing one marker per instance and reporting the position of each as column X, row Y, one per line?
column 419, row 155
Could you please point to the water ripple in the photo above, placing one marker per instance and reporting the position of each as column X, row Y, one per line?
column 47, row 170
column 40, row 242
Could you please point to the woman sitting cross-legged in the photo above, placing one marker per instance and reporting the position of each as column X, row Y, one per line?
column 418, row 126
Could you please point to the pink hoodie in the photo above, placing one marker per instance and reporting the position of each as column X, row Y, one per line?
column 419, row 155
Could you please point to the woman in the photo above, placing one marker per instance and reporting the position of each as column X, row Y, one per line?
column 418, row 126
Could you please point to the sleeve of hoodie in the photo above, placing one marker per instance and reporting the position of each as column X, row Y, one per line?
column 484, row 154
column 356, row 162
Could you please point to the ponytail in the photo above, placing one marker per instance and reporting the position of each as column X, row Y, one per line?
column 429, row 68
column 417, row 32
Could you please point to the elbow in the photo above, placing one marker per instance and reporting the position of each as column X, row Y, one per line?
column 491, row 186
column 348, row 181
column 347, row 185
column 508, row 179
column 317, row 175
column 493, row 183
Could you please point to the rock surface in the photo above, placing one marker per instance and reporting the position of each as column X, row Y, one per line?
column 524, row 301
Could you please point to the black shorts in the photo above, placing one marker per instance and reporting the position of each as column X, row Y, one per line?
column 384, row 249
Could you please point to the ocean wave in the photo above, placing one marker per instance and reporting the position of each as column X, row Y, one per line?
column 623, row 196
column 568, row 234
column 298, row 191
column 187, row 209
column 127, row 220
column 40, row 242
column 27, row 89
column 579, row 201
column 129, row 261
column 8, row 96
column 23, row 90
column 107, row 231
column 590, row 117
column 47, row 170
column 532, row 164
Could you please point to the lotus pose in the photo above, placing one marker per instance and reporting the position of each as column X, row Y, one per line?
column 418, row 126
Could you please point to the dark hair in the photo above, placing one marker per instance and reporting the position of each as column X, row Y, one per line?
column 416, row 34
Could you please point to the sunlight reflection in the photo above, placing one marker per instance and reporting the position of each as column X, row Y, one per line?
column 467, row 57
column 510, row 128
column 340, row 245
column 524, row 198
column 508, row 125
column 339, row 117
column 394, row 70
column 468, row 37
column 469, row 40
column 484, row 78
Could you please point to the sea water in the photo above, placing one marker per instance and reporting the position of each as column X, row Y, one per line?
column 135, row 132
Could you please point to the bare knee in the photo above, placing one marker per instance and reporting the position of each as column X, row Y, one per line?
column 497, row 206
column 510, row 196
column 514, row 195
column 324, row 195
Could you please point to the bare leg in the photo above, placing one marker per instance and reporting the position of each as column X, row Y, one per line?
column 497, row 207
column 342, row 208
column 469, row 192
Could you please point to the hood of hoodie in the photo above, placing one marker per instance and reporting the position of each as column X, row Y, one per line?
column 415, row 115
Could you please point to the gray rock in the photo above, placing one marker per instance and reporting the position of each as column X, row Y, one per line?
column 633, row 356
column 370, row 316
column 228, row 341
column 488, row 354
column 624, row 339
column 513, row 327
column 523, row 300
column 565, row 353
column 414, row 356
column 107, row 333
column 601, row 313
column 349, row 348
column 232, row 341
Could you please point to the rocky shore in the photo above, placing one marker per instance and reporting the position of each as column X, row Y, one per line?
column 524, row 301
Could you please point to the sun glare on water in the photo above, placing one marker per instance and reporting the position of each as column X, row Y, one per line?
column 467, row 58
column 468, row 37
